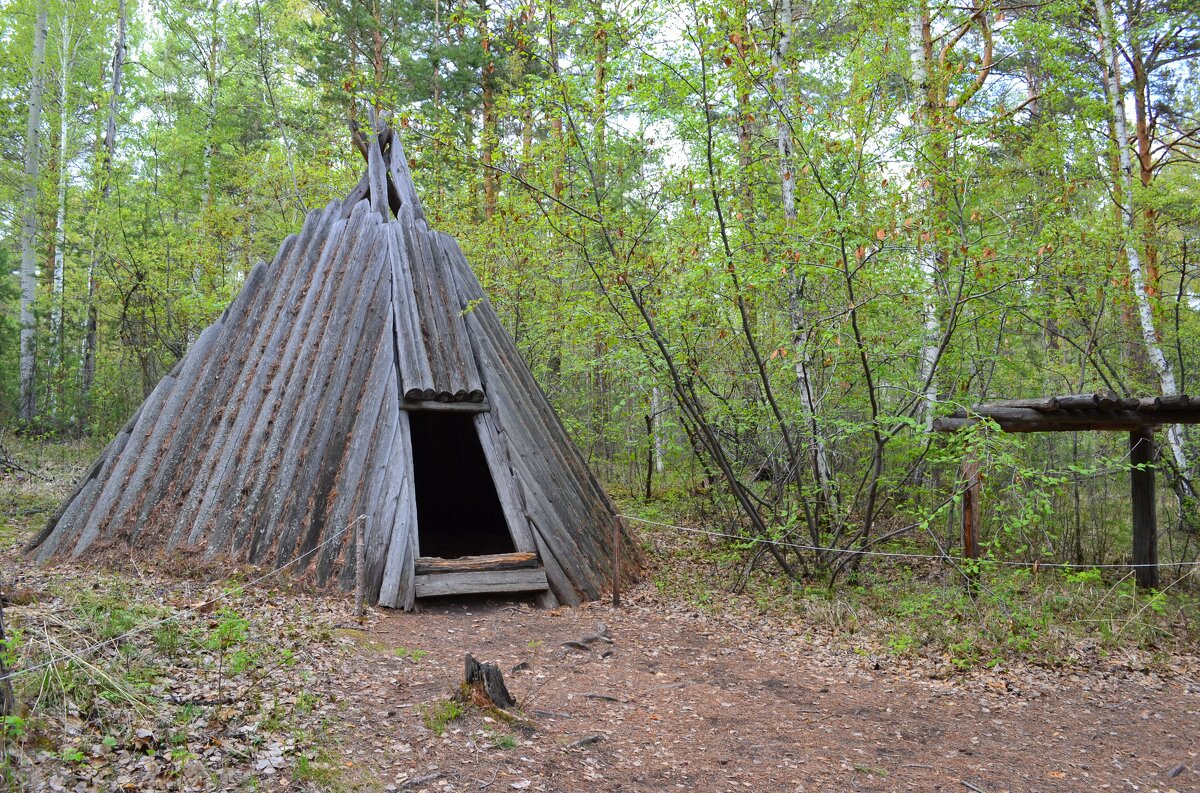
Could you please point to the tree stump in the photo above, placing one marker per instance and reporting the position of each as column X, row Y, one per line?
column 487, row 683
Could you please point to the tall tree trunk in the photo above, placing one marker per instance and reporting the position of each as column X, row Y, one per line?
column 1162, row 365
column 920, row 51
column 266, row 66
column 558, row 184
column 659, row 444
column 28, row 407
column 796, row 299
column 1141, row 113
column 489, row 136
column 600, row 109
column 88, row 371
column 745, row 127
column 65, row 60
column 212, row 78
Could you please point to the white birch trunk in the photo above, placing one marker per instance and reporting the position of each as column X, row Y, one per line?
column 66, row 57
column 656, row 422
column 213, row 79
column 1162, row 366
column 33, row 147
column 924, row 194
column 787, row 175
column 88, row 367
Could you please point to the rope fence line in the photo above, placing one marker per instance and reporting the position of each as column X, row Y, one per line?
column 79, row 654
column 900, row 555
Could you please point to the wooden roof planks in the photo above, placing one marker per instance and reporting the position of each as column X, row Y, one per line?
column 289, row 417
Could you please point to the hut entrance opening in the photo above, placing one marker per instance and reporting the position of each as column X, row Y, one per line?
column 458, row 510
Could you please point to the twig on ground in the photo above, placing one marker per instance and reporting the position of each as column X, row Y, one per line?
column 586, row 740
column 424, row 779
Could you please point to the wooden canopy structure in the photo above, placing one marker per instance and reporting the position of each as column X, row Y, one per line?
column 362, row 372
column 1140, row 417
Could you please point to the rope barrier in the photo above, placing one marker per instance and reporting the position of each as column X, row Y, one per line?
column 78, row 655
column 899, row 555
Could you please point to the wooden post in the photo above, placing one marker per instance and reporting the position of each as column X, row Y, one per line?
column 616, row 582
column 1145, row 528
column 8, row 702
column 970, row 508
column 360, row 565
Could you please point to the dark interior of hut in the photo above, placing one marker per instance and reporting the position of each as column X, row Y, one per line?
column 458, row 511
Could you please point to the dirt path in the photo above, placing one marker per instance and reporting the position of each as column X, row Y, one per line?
column 682, row 701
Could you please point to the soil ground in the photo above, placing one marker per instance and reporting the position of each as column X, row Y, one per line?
column 679, row 699
column 269, row 687
column 683, row 700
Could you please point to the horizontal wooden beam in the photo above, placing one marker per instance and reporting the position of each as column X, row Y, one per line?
column 431, row 565
column 1015, row 419
column 481, row 582
column 446, row 407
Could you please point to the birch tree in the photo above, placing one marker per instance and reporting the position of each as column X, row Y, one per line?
column 108, row 148
column 796, row 281
column 1137, row 277
column 29, row 225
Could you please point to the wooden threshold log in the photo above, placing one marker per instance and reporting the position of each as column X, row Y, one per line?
column 430, row 565
column 479, row 583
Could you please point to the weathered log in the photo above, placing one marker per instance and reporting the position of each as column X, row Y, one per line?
column 1037, row 403
column 488, row 681
column 429, row 565
column 1174, row 401
column 445, row 407
column 254, row 397
column 1021, row 420
column 396, row 587
column 377, row 177
column 402, row 180
column 479, row 583
column 1076, row 401
column 416, row 377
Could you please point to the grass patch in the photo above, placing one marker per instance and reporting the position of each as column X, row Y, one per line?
column 320, row 768
column 411, row 654
column 438, row 715
column 501, row 740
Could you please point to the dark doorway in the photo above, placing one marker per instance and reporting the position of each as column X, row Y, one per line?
column 458, row 511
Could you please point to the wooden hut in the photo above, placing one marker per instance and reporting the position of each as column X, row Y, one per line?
column 361, row 373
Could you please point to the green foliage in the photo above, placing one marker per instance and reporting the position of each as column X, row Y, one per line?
column 411, row 654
